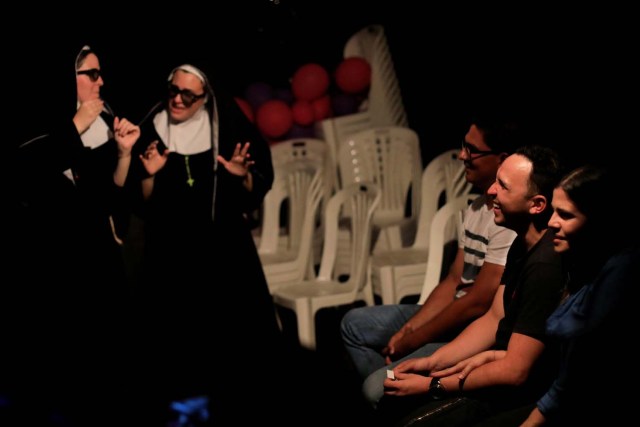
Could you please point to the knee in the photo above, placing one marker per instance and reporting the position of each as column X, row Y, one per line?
column 373, row 387
column 349, row 321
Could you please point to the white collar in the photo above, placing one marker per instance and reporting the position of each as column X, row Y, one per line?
column 189, row 137
column 97, row 134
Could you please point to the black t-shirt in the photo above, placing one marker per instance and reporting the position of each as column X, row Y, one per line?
column 534, row 281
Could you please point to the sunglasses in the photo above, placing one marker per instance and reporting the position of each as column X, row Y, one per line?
column 93, row 74
column 188, row 97
column 473, row 153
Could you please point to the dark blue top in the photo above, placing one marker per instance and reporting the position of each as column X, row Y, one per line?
column 587, row 324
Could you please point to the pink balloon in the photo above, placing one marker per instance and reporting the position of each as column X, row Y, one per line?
column 310, row 82
column 353, row 75
column 274, row 118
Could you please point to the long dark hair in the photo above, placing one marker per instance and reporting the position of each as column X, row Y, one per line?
column 608, row 229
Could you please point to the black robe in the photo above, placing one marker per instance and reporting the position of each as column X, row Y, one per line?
column 204, row 299
column 62, row 309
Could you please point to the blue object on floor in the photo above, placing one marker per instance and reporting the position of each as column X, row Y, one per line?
column 191, row 412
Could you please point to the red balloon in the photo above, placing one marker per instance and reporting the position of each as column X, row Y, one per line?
column 303, row 113
column 310, row 82
column 274, row 118
column 246, row 108
column 353, row 75
column 322, row 107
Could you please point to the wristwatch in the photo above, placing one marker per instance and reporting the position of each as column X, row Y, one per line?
column 436, row 389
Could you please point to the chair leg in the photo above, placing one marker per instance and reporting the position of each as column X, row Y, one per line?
column 368, row 288
column 387, row 287
column 306, row 324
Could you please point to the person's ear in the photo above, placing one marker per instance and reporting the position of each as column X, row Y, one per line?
column 538, row 204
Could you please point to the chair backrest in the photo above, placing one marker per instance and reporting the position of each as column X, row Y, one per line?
column 336, row 130
column 446, row 225
column 309, row 149
column 443, row 179
column 313, row 195
column 290, row 150
column 291, row 184
column 361, row 200
column 390, row 158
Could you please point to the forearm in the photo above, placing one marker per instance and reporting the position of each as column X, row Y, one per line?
column 248, row 181
column 437, row 301
column 496, row 371
column 475, row 338
column 455, row 315
column 535, row 419
column 510, row 367
column 122, row 170
column 147, row 187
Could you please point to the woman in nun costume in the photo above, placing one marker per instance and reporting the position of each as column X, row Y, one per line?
column 204, row 299
column 62, row 315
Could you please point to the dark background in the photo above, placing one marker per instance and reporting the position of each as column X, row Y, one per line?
column 569, row 70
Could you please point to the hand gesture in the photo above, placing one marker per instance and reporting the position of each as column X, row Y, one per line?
column 87, row 114
column 152, row 160
column 465, row 366
column 240, row 162
column 418, row 364
column 394, row 349
column 126, row 134
column 406, row 384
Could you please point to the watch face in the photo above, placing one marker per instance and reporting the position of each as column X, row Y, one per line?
column 436, row 389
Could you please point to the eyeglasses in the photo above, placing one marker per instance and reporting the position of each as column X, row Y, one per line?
column 93, row 74
column 188, row 97
column 472, row 151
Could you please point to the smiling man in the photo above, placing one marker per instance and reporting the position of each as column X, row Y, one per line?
column 378, row 338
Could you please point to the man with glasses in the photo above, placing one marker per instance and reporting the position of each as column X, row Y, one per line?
column 203, row 167
column 503, row 360
column 378, row 338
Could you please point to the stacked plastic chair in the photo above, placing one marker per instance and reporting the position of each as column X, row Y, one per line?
column 384, row 107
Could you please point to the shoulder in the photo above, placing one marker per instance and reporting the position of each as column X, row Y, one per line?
column 544, row 252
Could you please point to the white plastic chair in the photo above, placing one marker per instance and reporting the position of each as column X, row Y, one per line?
column 398, row 273
column 338, row 129
column 384, row 103
column 389, row 157
column 310, row 149
column 305, row 188
column 311, row 153
column 307, row 297
column 452, row 211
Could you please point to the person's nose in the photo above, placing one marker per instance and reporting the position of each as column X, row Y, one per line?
column 553, row 222
column 492, row 190
column 462, row 154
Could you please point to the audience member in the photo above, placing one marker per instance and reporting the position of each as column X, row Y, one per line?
column 376, row 336
column 504, row 355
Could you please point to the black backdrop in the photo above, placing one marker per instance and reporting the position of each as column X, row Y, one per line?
column 569, row 70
